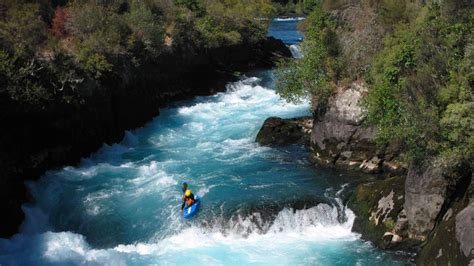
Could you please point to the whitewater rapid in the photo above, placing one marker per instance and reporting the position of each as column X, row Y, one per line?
column 260, row 205
column 120, row 206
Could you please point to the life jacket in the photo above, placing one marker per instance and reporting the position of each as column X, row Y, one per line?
column 190, row 201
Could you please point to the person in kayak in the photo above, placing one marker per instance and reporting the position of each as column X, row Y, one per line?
column 188, row 197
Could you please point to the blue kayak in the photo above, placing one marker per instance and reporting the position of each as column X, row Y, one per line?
column 190, row 211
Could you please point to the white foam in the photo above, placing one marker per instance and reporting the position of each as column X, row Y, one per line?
column 220, row 128
column 289, row 19
column 289, row 230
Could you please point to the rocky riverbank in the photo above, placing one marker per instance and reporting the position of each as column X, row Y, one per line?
column 33, row 142
column 423, row 211
column 379, row 86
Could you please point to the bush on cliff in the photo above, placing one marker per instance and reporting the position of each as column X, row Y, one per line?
column 420, row 81
column 299, row 7
column 50, row 50
column 421, row 91
column 320, row 66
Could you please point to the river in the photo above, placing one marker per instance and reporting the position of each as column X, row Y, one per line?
column 260, row 205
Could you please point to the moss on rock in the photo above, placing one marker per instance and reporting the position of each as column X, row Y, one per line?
column 376, row 206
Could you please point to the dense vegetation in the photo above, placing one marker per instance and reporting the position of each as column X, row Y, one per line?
column 60, row 51
column 296, row 7
column 320, row 65
column 420, row 81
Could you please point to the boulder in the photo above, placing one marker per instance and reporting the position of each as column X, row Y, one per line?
column 425, row 195
column 377, row 205
column 338, row 136
column 430, row 190
column 465, row 231
column 450, row 236
column 278, row 131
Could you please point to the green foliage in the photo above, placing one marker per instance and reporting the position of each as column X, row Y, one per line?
column 457, row 124
column 22, row 30
column 21, row 78
column 247, row 18
column 313, row 74
column 392, row 12
column 147, row 30
column 310, row 5
column 421, row 86
column 299, row 7
column 329, row 5
column 193, row 5
column 55, row 52
column 95, row 63
column 98, row 29
column 213, row 35
column 389, row 223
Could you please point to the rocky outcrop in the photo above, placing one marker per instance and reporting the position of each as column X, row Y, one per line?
column 429, row 191
column 465, row 231
column 33, row 141
column 421, row 208
column 377, row 206
column 278, row 131
column 340, row 138
column 422, row 212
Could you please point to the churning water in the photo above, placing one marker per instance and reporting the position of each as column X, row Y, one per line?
column 260, row 205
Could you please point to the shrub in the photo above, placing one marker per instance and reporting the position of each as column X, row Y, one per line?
column 22, row 30
column 421, row 87
column 58, row 26
column 313, row 74
column 146, row 28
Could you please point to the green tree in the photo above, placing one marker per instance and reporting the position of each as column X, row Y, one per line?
column 320, row 66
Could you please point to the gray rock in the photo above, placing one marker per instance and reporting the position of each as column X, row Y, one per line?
column 338, row 136
column 430, row 189
column 278, row 131
column 465, row 230
column 425, row 193
column 371, row 166
column 401, row 226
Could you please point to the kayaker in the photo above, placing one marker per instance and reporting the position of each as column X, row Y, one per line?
column 184, row 197
column 188, row 199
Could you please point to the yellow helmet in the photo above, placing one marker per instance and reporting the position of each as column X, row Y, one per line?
column 188, row 193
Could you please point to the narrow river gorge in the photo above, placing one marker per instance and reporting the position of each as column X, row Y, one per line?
column 260, row 205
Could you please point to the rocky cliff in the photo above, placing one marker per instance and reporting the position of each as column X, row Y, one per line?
column 422, row 199
column 33, row 141
column 427, row 212
column 422, row 210
column 339, row 136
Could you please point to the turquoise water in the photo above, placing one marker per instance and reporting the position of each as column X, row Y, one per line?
column 260, row 205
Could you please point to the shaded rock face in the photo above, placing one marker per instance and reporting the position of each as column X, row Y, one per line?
column 425, row 195
column 465, row 231
column 429, row 192
column 442, row 246
column 278, row 131
column 338, row 137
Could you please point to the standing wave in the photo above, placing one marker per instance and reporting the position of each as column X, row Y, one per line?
column 201, row 245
